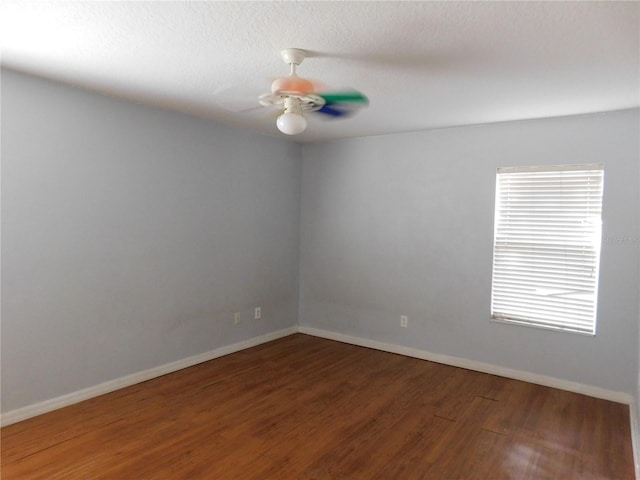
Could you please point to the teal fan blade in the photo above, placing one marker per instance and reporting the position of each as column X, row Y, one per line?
column 342, row 104
column 344, row 97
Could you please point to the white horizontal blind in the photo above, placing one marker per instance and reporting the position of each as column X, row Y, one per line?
column 547, row 246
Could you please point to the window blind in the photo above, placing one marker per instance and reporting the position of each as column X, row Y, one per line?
column 547, row 246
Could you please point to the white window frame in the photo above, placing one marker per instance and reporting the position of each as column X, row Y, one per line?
column 547, row 238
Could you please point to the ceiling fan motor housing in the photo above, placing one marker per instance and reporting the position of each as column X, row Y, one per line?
column 292, row 84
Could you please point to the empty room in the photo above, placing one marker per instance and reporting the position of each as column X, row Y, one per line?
column 320, row 240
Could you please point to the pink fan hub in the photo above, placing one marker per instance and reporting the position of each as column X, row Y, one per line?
column 292, row 84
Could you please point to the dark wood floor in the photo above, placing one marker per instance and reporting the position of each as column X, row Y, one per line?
column 307, row 408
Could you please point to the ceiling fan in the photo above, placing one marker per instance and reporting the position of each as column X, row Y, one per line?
column 297, row 95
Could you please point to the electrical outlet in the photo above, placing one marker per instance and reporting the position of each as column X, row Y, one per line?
column 257, row 313
column 403, row 321
column 237, row 318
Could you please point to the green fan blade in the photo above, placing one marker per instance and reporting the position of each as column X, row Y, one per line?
column 342, row 97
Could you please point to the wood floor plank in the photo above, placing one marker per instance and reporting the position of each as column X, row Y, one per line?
column 301, row 407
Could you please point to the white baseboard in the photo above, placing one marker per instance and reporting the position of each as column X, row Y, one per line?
column 635, row 436
column 29, row 411
column 620, row 397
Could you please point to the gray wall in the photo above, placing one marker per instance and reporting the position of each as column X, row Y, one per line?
column 403, row 224
column 130, row 235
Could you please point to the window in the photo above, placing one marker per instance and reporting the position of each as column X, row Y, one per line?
column 547, row 246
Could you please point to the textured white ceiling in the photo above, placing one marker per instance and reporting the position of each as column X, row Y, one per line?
column 422, row 64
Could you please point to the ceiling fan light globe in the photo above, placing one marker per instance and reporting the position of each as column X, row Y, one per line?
column 291, row 123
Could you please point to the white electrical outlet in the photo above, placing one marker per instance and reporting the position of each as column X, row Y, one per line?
column 257, row 313
column 237, row 318
column 403, row 321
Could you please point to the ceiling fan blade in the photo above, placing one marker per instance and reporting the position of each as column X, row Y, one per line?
column 344, row 97
column 342, row 103
column 332, row 111
column 238, row 106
